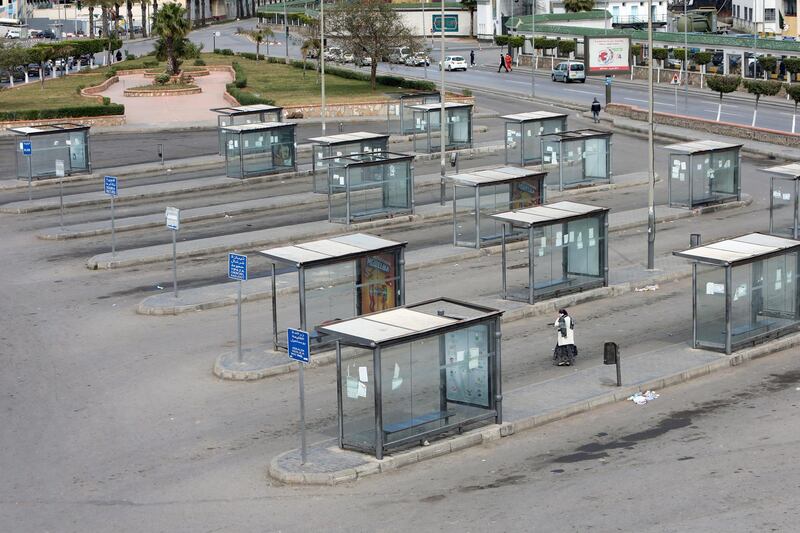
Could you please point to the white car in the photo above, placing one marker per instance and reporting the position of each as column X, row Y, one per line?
column 348, row 57
column 454, row 63
column 418, row 60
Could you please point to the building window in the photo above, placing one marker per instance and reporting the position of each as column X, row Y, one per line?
column 769, row 15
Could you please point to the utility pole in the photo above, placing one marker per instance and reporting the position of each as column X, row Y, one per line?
column 686, row 57
column 442, row 116
column 322, row 59
column 533, row 45
column 286, row 26
column 651, row 172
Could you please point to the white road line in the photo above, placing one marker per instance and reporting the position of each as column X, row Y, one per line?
column 582, row 92
column 714, row 111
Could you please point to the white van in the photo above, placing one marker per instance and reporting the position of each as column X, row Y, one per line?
column 399, row 54
column 13, row 33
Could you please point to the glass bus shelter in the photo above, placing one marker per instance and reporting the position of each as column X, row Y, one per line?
column 260, row 149
column 416, row 372
column 369, row 186
column 246, row 114
column 524, row 132
column 583, row 157
column 745, row 291
column 337, row 278
column 359, row 142
column 51, row 142
column 476, row 195
column 457, row 126
column 567, row 251
column 703, row 172
column 400, row 117
column 784, row 200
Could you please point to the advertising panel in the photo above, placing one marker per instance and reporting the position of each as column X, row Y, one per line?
column 607, row 55
column 377, row 287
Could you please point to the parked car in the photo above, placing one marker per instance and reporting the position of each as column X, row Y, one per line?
column 35, row 34
column 568, row 71
column 334, row 53
column 48, row 34
column 365, row 61
column 454, row 63
column 399, row 54
column 13, row 33
column 673, row 63
column 418, row 60
column 348, row 58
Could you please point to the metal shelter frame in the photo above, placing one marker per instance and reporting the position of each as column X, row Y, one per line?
column 708, row 150
column 789, row 173
column 261, row 127
column 566, row 137
column 36, row 134
column 323, row 148
column 426, row 110
column 530, row 151
column 380, row 332
column 325, row 252
column 245, row 114
column 406, row 100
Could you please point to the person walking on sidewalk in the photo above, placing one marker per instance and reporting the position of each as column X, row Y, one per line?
column 472, row 58
column 508, row 62
column 565, row 351
column 596, row 107
column 502, row 63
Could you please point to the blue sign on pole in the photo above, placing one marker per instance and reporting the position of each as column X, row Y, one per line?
column 237, row 267
column 27, row 149
column 608, row 80
column 110, row 185
column 299, row 347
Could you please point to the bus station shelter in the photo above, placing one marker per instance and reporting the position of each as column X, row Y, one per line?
column 66, row 142
column 337, row 278
column 416, row 372
column 567, row 251
column 400, row 117
column 703, row 172
column 370, row 186
column 745, row 291
column 784, row 200
column 245, row 114
column 583, row 157
column 260, row 149
column 359, row 142
column 479, row 194
column 524, row 132
column 457, row 126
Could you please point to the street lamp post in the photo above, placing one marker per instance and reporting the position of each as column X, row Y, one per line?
column 424, row 65
column 755, row 39
column 651, row 172
column 442, row 116
column 533, row 46
column 286, row 28
column 322, row 60
column 685, row 56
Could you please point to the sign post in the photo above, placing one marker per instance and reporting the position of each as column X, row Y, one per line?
column 300, row 351
column 675, row 82
column 27, row 151
column 237, row 269
column 608, row 89
column 60, row 176
column 173, row 216
column 110, row 188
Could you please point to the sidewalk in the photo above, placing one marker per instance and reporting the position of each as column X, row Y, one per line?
column 527, row 407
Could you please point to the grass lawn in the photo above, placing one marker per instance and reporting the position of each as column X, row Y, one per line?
column 283, row 83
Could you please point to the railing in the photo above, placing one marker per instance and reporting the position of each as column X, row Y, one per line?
column 638, row 19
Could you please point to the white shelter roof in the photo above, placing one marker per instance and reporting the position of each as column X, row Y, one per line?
column 744, row 248
column 547, row 214
column 327, row 249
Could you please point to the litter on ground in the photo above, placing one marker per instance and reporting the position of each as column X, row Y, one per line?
column 646, row 288
column 641, row 398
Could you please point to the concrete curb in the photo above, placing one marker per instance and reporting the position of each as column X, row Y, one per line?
column 506, row 429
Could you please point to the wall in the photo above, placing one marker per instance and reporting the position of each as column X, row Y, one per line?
column 413, row 19
column 356, row 109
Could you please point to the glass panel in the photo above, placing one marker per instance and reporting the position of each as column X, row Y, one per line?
column 358, row 399
column 517, row 265
column 222, row 121
column 375, row 189
column 596, row 158
column 433, row 131
column 459, row 130
column 514, row 143
column 261, row 152
column 783, row 206
column 710, row 301
column 585, row 243
column 45, row 150
column 724, row 173
column 330, row 295
column 679, row 180
column 526, row 192
column 232, row 157
column 493, row 199
column 378, row 287
column 702, row 171
column 465, row 228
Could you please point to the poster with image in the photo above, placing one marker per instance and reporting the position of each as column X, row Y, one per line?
column 377, row 283
column 607, row 55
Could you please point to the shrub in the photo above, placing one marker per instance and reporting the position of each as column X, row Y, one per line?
column 501, row 40
column 79, row 88
column 565, row 47
column 792, row 64
column 111, row 72
column 768, row 63
column 149, row 64
column 224, row 51
column 466, row 92
column 129, row 56
column 241, row 83
column 702, row 58
column 516, row 41
column 250, row 55
column 199, row 63
column 64, row 112
column 543, row 43
column 106, row 100
column 636, row 49
column 660, row 53
column 723, row 84
column 162, row 79
column 245, row 98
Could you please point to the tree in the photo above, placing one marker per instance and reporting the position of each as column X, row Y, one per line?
column 723, row 85
column 11, row 58
column 794, row 93
column 660, row 54
column 171, row 26
column 767, row 64
column 371, row 28
column 792, row 65
column 259, row 36
column 565, row 47
column 702, row 58
column 760, row 88
column 576, row 6
column 143, row 5
column 129, row 7
column 471, row 5
column 40, row 55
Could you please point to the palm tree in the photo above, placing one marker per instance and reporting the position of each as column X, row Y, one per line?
column 129, row 7
column 172, row 26
column 90, row 5
column 203, row 12
column 189, row 12
column 143, row 5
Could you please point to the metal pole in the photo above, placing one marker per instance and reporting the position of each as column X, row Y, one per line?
column 619, row 371
column 274, row 310
column 322, row 59
column 239, row 323
column 533, row 53
column 30, row 177
column 175, row 262
column 442, row 118
column 651, row 172
column 286, row 26
column 424, row 65
column 755, row 39
column 685, row 56
column 113, row 234
column 61, row 200
column 301, row 370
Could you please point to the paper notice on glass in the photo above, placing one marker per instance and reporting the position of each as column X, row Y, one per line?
column 541, row 252
column 741, row 292
column 683, row 165
column 675, row 172
column 719, row 164
column 362, row 374
column 683, row 176
column 558, row 238
column 591, row 233
column 459, row 356
column 676, row 163
column 710, row 287
column 778, row 279
column 230, row 145
column 530, row 133
column 543, row 242
column 699, row 166
column 776, row 194
column 570, row 154
column 474, row 354
column 788, row 277
column 396, row 379
column 362, row 390
column 592, row 243
column 352, row 388
column 246, row 143
column 787, row 196
column 549, row 148
column 236, row 143
column 728, row 163
column 571, row 236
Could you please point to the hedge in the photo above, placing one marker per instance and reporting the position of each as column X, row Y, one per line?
column 64, row 112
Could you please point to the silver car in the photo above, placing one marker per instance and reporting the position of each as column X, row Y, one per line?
column 569, row 71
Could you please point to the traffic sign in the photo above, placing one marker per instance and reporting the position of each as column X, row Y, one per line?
column 173, row 215
column 608, row 80
column 59, row 168
column 237, row 267
column 110, row 185
column 675, row 80
column 299, row 346
column 217, row 34
column 27, row 149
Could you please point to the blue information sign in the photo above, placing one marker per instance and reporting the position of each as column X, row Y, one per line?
column 110, row 185
column 608, row 80
column 237, row 267
column 299, row 348
column 27, row 149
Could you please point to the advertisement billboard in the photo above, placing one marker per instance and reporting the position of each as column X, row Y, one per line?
column 377, row 283
column 607, row 55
